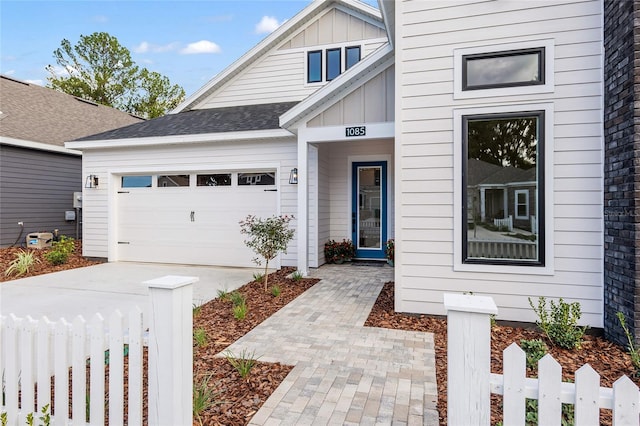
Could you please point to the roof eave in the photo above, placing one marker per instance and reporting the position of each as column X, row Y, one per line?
column 21, row 143
column 179, row 139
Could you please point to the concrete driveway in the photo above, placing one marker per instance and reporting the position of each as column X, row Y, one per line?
column 106, row 287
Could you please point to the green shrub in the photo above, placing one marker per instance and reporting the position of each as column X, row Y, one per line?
column 22, row 264
column 60, row 251
column 560, row 322
column 275, row 291
column 240, row 311
column 296, row 276
column 534, row 350
column 258, row 277
column 237, row 298
column 223, row 294
column 634, row 352
column 203, row 397
column 335, row 252
column 200, row 336
column 244, row 363
column 196, row 309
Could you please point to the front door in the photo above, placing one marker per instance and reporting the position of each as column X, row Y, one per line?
column 369, row 209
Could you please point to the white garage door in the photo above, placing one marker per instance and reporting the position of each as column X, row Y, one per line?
column 191, row 218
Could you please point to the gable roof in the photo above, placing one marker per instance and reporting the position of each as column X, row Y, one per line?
column 269, row 42
column 202, row 121
column 32, row 113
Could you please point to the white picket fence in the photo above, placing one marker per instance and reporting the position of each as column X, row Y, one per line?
column 507, row 222
column 35, row 354
column 502, row 249
column 470, row 381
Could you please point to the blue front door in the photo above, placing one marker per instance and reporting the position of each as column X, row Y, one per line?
column 369, row 209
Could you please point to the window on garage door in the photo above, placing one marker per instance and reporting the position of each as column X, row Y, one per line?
column 256, row 178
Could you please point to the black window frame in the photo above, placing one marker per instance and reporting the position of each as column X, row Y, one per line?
column 309, row 53
column 540, row 177
column 346, row 56
column 540, row 51
column 327, row 62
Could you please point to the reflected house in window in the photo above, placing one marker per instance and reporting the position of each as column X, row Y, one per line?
column 261, row 178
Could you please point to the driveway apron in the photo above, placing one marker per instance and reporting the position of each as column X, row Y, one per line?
column 344, row 373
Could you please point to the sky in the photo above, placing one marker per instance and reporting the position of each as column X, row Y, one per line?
column 187, row 41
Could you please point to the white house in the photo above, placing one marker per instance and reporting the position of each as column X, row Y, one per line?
column 387, row 120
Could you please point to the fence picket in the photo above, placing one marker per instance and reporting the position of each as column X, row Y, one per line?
column 587, row 388
column 11, row 369
column 626, row 407
column 61, row 372
column 79, row 374
column 116, row 369
column 44, row 364
column 96, row 385
column 549, row 382
column 135, row 367
column 27, row 366
column 515, row 372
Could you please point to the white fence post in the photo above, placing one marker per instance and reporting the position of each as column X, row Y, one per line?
column 171, row 350
column 468, row 358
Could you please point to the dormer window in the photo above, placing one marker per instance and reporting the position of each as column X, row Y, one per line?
column 335, row 62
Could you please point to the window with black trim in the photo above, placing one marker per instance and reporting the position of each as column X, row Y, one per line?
column 511, row 68
column 314, row 66
column 136, row 181
column 215, row 179
column 351, row 56
column 168, row 181
column 503, row 189
column 256, row 178
column 334, row 63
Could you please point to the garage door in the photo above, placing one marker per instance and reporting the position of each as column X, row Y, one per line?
column 191, row 218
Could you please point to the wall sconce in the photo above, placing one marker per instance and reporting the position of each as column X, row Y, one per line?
column 293, row 176
column 91, row 181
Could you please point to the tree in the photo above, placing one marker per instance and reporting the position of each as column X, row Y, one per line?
column 100, row 69
column 267, row 238
column 504, row 142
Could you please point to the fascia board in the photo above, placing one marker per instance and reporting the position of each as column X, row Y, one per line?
column 339, row 87
column 21, row 143
column 180, row 139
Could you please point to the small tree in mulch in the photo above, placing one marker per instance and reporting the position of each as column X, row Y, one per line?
column 267, row 238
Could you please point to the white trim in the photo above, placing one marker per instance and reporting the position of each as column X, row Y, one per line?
column 323, row 66
column 21, row 143
column 526, row 203
column 458, row 114
column 547, row 87
column 181, row 139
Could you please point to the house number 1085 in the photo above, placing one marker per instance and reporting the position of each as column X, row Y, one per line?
column 355, row 131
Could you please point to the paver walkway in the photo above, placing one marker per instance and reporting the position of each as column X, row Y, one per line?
column 344, row 373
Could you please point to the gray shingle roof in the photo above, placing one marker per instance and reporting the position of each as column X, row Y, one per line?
column 38, row 114
column 215, row 120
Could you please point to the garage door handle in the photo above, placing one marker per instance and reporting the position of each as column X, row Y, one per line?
column 193, row 216
column 270, row 190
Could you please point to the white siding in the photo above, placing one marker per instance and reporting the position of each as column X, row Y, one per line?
column 324, row 203
column 280, row 74
column 100, row 203
column 427, row 34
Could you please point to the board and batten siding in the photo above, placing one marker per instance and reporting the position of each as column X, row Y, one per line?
column 427, row 35
column 280, row 75
column 36, row 188
column 183, row 158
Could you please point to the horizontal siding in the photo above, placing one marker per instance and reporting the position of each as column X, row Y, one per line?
column 36, row 188
column 176, row 159
column 427, row 34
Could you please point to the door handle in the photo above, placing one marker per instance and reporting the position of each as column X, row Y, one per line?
column 193, row 216
column 353, row 222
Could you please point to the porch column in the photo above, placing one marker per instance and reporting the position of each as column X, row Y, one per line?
column 303, row 204
column 505, row 204
column 482, row 205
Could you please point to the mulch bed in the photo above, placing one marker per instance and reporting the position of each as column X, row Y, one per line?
column 608, row 359
column 41, row 266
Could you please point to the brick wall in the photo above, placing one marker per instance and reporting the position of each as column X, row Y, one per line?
column 622, row 166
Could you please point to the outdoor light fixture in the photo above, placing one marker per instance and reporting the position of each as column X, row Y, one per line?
column 293, row 176
column 91, row 181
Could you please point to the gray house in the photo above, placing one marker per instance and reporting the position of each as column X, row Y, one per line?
column 38, row 176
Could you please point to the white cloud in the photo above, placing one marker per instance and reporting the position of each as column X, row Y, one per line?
column 268, row 24
column 202, row 46
column 100, row 19
column 146, row 47
column 38, row 82
column 59, row 71
column 9, row 72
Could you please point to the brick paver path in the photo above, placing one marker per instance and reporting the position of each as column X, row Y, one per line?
column 344, row 373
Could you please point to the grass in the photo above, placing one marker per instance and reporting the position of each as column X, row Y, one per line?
column 243, row 364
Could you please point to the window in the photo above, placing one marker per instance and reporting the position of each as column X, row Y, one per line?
column 333, row 63
column 173, row 180
column 503, row 178
column 256, row 178
column 136, row 181
column 522, row 204
column 352, row 56
column 503, row 69
column 219, row 179
column 314, row 66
